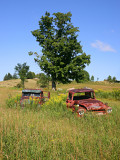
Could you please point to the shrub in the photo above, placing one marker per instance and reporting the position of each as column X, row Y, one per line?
column 19, row 85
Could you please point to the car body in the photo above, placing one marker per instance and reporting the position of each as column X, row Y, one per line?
column 30, row 95
column 83, row 100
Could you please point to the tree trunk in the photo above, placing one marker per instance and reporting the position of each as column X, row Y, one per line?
column 53, row 85
column 22, row 83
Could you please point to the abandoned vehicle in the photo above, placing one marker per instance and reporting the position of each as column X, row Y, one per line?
column 30, row 95
column 83, row 100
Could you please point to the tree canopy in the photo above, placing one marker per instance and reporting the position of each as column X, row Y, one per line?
column 63, row 58
column 22, row 70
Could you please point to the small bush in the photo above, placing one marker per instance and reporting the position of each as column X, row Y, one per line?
column 19, row 85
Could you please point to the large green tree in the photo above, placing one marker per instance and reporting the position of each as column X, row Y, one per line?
column 63, row 58
column 22, row 70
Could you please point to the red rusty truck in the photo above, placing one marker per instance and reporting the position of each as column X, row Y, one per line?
column 83, row 100
column 31, row 95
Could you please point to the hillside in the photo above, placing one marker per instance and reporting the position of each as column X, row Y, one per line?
column 32, row 83
column 8, row 88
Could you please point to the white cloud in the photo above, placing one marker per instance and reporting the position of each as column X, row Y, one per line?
column 102, row 46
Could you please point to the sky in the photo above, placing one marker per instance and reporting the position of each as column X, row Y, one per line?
column 98, row 22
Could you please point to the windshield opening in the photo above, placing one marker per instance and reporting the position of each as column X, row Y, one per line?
column 83, row 95
column 32, row 94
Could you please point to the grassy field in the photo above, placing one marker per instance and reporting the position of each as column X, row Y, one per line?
column 54, row 133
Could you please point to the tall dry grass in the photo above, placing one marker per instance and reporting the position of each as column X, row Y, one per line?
column 94, row 85
column 29, row 83
column 5, row 92
column 53, row 132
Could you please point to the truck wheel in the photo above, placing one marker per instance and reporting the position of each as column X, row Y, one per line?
column 81, row 112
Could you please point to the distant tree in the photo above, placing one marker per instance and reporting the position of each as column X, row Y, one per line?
column 86, row 76
column 30, row 75
column 83, row 76
column 63, row 58
column 15, row 76
column 22, row 70
column 37, row 75
column 7, row 77
column 92, row 78
column 114, row 79
column 109, row 79
column 43, row 80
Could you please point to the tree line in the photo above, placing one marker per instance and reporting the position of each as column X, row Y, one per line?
column 22, row 72
column 29, row 75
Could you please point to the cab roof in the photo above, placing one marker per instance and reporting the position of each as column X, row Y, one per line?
column 81, row 90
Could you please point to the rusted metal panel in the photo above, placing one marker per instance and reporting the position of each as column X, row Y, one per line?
column 31, row 94
column 86, row 102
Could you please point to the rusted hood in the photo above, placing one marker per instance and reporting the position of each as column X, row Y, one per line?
column 93, row 104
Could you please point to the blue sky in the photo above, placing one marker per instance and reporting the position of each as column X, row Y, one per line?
column 98, row 22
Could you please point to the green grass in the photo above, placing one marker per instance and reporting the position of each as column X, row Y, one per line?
column 37, row 135
column 53, row 132
column 113, row 95
column 59, row 134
